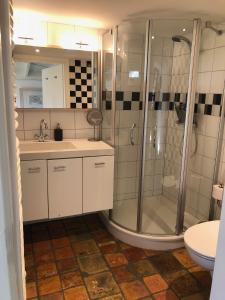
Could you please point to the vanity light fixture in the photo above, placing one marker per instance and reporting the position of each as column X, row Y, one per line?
column 184, row 29
column 37, row 50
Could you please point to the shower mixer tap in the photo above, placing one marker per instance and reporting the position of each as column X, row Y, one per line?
column 132, row 134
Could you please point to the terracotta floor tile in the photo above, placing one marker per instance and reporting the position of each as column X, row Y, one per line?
column 64, row 253
column 40, row 236
column 123, row 245
column 31, row 289
column 67, row 265
column 204, row 277
column 28, row 249
column 40, row 226
column 61, row 242
column 133, row 254
column 31, row 274
column 185, row 285
column 41, row 247
column 56, row 296
column 76, row 237
column 76, row 293
column 92, row 264
column 116, row 259
column 53, row 249
column 45, row 257
column 183, row 257
column 55, row 224
column 173, row 276
column 165, row 263
column 134, row 290
column 57, row 233
column 198, row 296
column 149, row 252
column 49, row 285
column 166, row 295
column 29, row 261
column 108, row 247
column 143, row 268
column 123, row 274
column 46, row 270
column 71, row 279
column 114, row 297
column 85, row 247
column 155, row 283
column 102, row 235
column 101, row 285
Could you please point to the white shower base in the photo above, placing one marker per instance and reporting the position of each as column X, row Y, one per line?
column 158, row 223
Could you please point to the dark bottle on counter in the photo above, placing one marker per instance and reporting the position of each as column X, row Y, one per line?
column 58, row 133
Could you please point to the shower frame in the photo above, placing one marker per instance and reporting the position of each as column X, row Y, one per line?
column 195, row 49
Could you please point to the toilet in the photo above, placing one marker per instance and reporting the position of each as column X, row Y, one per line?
column 201, row 241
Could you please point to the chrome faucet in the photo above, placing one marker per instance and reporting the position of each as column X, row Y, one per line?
column 43, row 125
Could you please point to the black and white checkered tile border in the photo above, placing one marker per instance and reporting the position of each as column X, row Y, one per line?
column 80, row 84
column 207, row 104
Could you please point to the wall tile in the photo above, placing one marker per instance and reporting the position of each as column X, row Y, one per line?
column 81, row 120
column 217, row 82
column 32, row 119
column 219, row 59
column 65, row 118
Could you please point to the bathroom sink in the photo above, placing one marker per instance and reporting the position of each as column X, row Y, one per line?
column 46, row 146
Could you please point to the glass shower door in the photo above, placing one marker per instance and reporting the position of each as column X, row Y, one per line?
column 130, row 62
column 170, row 49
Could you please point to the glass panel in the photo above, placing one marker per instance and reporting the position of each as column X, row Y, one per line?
column 107, row 45
column 169, row 74
column 201, row 165
column 129, row 99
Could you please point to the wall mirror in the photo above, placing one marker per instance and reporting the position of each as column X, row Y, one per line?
column 56, row 78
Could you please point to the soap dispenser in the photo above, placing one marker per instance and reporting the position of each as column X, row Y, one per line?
column 58, row 133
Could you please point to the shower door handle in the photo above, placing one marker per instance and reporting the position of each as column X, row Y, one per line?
column 132, row 134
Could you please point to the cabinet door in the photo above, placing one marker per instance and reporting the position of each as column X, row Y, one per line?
column 60, row 35
column 97, row 183
column 65, row 187
column 34, row 190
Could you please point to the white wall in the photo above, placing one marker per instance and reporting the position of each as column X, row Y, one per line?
column 217, row 291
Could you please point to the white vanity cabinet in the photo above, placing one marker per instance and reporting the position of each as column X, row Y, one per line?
column 97, row 183
column 34, row 190
column 73, row 178
column 65, row 187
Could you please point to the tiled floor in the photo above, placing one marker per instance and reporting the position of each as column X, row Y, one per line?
column 77, row 259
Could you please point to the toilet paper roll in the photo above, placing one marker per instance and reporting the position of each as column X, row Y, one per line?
column 217, row 192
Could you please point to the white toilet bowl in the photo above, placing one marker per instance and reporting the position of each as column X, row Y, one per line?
column 201, row 241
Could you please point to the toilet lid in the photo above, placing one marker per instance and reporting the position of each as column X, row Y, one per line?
column 202, row 238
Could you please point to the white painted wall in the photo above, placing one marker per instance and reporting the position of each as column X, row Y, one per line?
column 218, row 289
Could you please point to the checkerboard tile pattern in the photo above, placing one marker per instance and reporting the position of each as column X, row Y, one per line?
column 207, row 104
column 77, row 258
column 81, row 94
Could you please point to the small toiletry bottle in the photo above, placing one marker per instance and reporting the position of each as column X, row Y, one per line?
column 58, row 133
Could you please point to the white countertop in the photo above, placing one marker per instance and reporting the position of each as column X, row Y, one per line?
column 31, row 150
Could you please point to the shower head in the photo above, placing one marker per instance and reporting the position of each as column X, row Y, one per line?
column 208, row 24
column 180, row 38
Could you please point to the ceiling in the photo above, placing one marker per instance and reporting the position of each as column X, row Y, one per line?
column 106, row 13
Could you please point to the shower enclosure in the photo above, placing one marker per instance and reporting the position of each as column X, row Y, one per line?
column 152, row 118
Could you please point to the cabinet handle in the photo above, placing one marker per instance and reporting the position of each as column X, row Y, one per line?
column 59, row 168
column 34, row 170
column 100, row 164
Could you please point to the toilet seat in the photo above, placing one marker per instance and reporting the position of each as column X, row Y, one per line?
column 202, row 239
